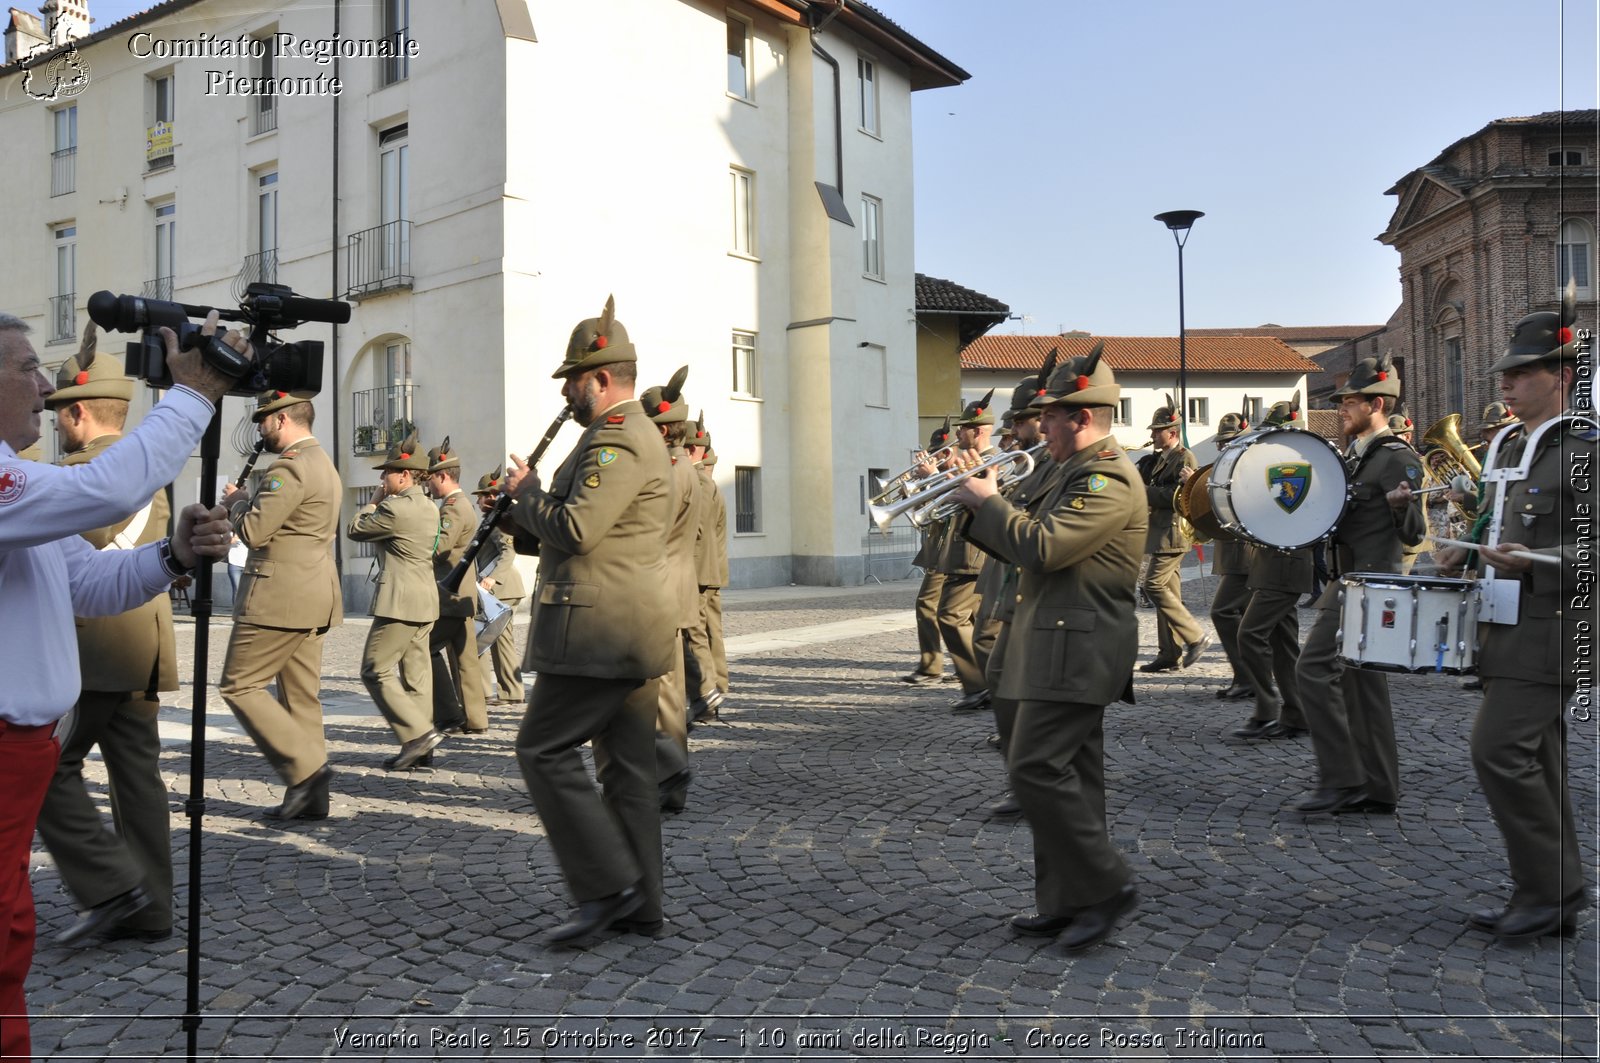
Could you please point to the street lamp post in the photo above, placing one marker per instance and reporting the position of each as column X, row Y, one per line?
column 1179, row 221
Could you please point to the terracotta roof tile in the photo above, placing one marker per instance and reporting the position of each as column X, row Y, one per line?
column 1294, row 333
column 1206, row 354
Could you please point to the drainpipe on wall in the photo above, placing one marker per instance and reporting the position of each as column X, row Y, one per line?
column 838, row 103
column 333, row 269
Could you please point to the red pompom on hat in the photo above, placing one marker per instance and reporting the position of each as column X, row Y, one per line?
column 1083, row 382
column 600, row 343
column 82, row 378
column 1294, row 415
column 663, row 406
column 1383, row 374
column 404, row 456
column 1563, row 335
column 1039, row 392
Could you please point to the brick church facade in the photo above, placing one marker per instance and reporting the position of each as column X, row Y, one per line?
column 1487, row 232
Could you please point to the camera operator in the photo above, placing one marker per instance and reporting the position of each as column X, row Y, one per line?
column 48, row 574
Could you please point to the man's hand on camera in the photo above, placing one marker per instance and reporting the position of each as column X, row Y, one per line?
column 201, row 532
column 190, row 369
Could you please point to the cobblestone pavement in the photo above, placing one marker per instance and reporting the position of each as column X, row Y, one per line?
column 837, row 890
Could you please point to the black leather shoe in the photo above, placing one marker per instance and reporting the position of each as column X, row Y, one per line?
column 121, row 932
column 706, row 707
column 1192, row 652
column 974, row 701
column 595, row 916
column 674, row 790
column 1256, row 729
column 412, row 752
column 1485, row 919
column 1472, row 684
column 306, row 799
column 1526, row 924
column 1094, row 924
column 1042, row 926
column 473, row 731
column 1006, row 806
column 993, row 741
column 919, row 678
column 451, row 727
column 1371, row 806
column 1236, row 692
column 1159, row 666
column 104, row 915
column 1283, row 730
column 1333, row 799
column 646, row 927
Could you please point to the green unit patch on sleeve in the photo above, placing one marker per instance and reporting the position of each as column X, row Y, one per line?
column 607, row 455
column 274, row 483
column 1097, row 482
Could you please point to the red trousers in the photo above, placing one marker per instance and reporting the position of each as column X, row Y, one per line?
column 27, row 763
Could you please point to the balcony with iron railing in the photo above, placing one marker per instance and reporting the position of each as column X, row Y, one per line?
column 259, row 268
column 382, row 417
column 63, row 171
column 63, row 321
column 379, row 259
column 264, row 119
column 158, row 288
column 396, row 66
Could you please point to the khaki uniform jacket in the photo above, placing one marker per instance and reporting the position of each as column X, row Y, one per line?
column 711, row 539
column 132, row 651
column 1161, row 480
column 1275, row 570
column 1075, row 635
column 508, row 583
column 1231, row 558
column 458, row 521
column 604, row 605
column 1007, row 574
column 404, row 526
column 1370, row 534
column 957, row 557
column 1549, row 513
column 682, row 535
column 289, row 524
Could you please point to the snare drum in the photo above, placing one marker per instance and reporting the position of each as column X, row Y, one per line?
column 1279, row 487
column 1395, row 623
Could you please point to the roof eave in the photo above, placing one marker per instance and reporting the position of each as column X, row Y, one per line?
column 929, row 69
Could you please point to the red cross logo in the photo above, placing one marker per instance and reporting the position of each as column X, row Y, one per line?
column 12, row 481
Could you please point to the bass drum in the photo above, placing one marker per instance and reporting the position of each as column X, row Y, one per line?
column 1194, row 505
column 1280, row 487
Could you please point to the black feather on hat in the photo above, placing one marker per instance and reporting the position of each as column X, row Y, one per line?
column 664, row 404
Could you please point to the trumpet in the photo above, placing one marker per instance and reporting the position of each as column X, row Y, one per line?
column 928, row 501
column 899, row 485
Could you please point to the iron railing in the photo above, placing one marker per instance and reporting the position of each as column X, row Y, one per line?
column 258, row 268
column 265, row 118
column 397, row 64
column 64, row 171
column 158, row 288
column 379, row 259
column 382, row 417
column 63, row 321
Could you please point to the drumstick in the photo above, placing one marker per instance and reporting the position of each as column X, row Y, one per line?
column 1546, row 558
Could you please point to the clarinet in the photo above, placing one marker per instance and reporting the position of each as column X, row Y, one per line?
column 261, row 444
column 452, row 581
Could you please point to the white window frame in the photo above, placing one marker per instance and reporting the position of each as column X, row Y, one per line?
column 867, row 94
column 1122, row 413
column 63, row 158
column 746, row 364
column 744, row 211
column 166, row 217
column 1575, row 236
column 169, row 82
column 1199, row 410
column 748, row 91
column 394, row 24
column 1254, row 410
column 64, row 323
column 264, row 106
column 872, row 237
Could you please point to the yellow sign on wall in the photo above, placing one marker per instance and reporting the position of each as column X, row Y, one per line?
column 158, row 141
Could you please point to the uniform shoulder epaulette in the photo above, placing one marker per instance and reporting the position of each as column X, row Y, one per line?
column 612, row 420
column 1102, row 455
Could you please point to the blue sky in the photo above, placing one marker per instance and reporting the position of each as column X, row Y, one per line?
column 1285, row 122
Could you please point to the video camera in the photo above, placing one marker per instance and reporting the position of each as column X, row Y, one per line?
column 265, row 308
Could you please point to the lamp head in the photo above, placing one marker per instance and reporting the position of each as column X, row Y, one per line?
column 1179, row 220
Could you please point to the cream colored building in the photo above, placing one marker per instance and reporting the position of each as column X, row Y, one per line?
column 737, row 174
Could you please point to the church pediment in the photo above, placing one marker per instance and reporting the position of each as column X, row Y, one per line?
column 1427, row 196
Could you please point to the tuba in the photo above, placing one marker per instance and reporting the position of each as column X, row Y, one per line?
column 1449, row 457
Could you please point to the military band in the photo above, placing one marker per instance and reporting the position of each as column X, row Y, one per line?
column 1030, row 586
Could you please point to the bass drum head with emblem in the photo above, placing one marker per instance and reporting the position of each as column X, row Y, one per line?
column 1280, row 487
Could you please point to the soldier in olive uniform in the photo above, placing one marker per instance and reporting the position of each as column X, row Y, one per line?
column 395, row 666
column 498, row 574
column 930, row 662
column 669, row 412
column 603, row 616
column 705, row 661
column 1403, row 430
column 1269, row 630
column 960, row 561
column 1180, row 638
column 1496, row 415
column 121, row 878
column 458, row 699
column 289, row 596
column 1072, row 648
column 1532, row 668
column 1230, row 563
column 999, row 597
column 1352, row 725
